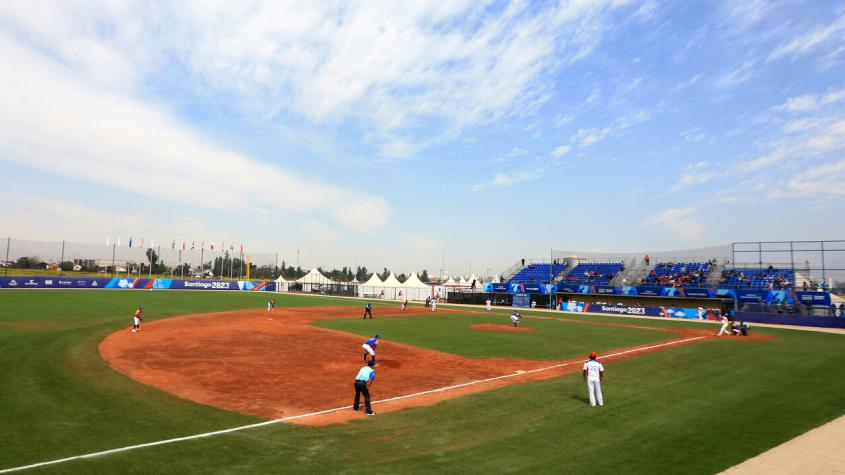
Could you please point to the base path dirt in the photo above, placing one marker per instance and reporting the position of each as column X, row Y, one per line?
column 275, row 365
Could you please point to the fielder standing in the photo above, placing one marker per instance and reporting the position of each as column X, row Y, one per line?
column 136, row 319
column 363, row 380
column 593, row 374
column 368, row 310
column 489, row 305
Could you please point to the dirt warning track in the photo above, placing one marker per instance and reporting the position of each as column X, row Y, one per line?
column 274, row 365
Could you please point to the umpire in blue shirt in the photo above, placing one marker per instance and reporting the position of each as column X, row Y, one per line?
column 365, row 378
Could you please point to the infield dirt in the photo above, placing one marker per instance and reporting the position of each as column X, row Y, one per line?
column 274, row 364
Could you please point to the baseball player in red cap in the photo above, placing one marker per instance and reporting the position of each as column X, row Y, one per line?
column 593, row 374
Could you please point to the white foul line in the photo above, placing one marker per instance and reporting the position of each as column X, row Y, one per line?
column 326, row 411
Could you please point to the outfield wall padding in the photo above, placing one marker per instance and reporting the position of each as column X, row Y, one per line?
column 789, row 319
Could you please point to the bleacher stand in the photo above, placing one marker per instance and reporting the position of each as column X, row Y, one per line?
column 762, row 279
column 679, row 274
column 594, row 273
column 537, row 273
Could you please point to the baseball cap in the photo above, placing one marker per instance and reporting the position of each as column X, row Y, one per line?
column 593, row 355
column 371, row 363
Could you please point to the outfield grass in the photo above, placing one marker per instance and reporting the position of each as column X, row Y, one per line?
column 692, row 409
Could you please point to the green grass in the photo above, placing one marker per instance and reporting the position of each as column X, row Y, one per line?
column 551, row 340
column 693, row 409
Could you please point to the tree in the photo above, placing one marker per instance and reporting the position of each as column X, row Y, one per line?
column 66, row 266
column 152, row 257
column 28, row 263
column 402, row 277
column 384, row 274
column 424, row 276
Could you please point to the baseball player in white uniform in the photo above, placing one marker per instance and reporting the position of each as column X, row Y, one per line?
column 434, row 304
column 700, row 312
column 593, row 374
column 515, row 318
column 724, row 328
column 489, row 305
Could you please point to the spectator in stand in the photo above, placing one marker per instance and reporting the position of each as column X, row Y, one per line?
column 842, row 309
column 647, row 259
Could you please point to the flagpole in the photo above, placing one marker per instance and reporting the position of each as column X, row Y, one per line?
column 6, row 263
column 202, row 263
column 61, row 271
column 113, row 252
column 181, row 268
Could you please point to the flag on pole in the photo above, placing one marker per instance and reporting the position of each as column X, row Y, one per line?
column 152, row 243
column 173, row 245
column 183, row 245
column 142, row 242
column 130, row 241
column 193, row 244
column 107, row 241
column 212, row 248
column 118, row 241
column 242, row 248
column 202, row 246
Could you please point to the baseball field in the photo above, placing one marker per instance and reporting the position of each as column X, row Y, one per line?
column 459, row 390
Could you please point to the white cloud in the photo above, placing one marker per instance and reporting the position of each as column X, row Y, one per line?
column 695, row 134
column 737, row 76
column 804, row 103
column 560, row 151
column 56, row 122
column 811, row 102
column 585, row 137
column 811, row 40
column 679, row 222
column 819, row 182
column 695, row 174
column 386, row 67
column 502, row 179
column 684, row 85
column 591, row 135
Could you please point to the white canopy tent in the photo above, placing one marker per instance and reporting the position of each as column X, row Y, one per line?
column 392, row 287
column 281, row 284
column 463, row 282
column 373, row 287
column 312, row 280
column 415, row 289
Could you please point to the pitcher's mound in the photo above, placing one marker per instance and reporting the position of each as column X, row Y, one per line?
column 491, row 327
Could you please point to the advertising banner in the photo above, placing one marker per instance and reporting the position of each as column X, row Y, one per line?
column 499, row 288
column 606, row 289
column 751, row 296
column 648, row 311
column 813, row 298
column 53, row 282
column 697, row 292
column 650, row 290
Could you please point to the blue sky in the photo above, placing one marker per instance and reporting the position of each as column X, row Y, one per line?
column 396, row 132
